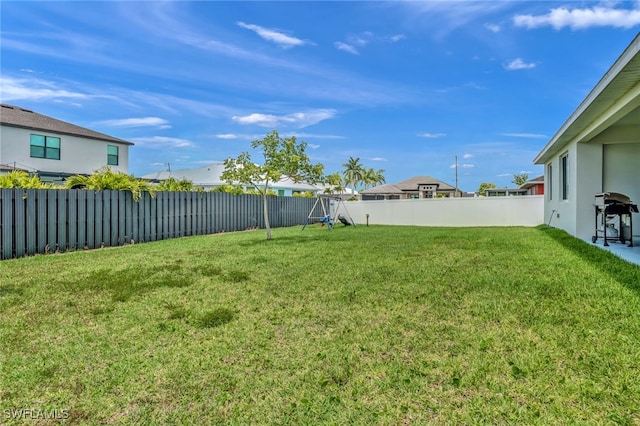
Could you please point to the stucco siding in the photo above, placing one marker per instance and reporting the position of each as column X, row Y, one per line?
column 587, row 184
column 621, row 165
column 77, row 155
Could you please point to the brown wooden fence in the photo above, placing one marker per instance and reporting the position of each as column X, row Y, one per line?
column 44, row 221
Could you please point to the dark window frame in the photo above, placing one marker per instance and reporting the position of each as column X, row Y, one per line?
column 113, row 159
column 550, row 180
column 44, row 148
column 564, row 176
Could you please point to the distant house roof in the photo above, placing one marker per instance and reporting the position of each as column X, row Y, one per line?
column 383, row 189
column 15, row 116
column 532, row 182
column 408, row 186
column 9, row 167
column 203, row 176
column 412, row 183
column 208, row 176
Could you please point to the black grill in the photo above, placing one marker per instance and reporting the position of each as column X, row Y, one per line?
column 610, row 205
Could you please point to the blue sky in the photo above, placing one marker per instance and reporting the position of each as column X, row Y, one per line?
column 404, row 86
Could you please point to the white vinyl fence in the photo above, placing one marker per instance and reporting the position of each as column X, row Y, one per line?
column 481, row 211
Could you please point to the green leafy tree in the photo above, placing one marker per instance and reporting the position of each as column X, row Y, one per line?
column 305, row 194
column 21, row 179
column 230, row 189
column 335, row 183
column 283, row 157
column 105, row 178
column 519, row 179
column 482, row 189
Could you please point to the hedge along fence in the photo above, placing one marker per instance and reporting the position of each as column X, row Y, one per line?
column 39, row 221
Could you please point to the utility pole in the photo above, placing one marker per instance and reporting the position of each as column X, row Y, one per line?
column 456, row 193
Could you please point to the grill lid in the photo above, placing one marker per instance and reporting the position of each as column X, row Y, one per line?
column 612, row 197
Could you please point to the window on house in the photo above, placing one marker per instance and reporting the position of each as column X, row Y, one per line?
column 112, row 155
column 45, row 147
column 564, row 176
column 281, row 192
column 550, row 181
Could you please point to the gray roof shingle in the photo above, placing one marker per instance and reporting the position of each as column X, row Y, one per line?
column 15, row 116
column 412, row 183
column 408, row 185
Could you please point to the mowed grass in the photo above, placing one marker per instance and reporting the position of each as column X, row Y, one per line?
column 367, row 325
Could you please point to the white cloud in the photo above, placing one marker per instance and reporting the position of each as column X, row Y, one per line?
column 226, row 136
column 378, row 159
column 353, row 41
column 346, row 48
column 463, row 166
column 297, row 119
column 13, row 89
column 274, row 36
column 525, row 135
column 519, row 64
column 314, row 135
column 138, row 122
column 596, row 16
column 313, row 146
column 162, row 142
column 492, row 27
column 431, row 135
column 361, row 39
column 465, row 156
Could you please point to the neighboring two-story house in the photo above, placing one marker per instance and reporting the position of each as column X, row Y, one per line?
column 55, row 149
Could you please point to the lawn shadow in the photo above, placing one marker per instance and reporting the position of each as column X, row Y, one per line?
column 124, row 283
column 620, row 270
column 9, row 289
column 305, row 236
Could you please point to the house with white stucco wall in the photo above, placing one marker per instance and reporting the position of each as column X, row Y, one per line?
column 55, row 149
column 596, row 150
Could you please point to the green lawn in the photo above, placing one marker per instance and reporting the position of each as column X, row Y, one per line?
column 368, row 325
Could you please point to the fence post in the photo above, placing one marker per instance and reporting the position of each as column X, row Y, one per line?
column 6, row 230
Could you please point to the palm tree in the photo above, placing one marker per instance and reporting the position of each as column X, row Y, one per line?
column 21, row 179
column 373, row 177
column 353, row 172
column 105, row 178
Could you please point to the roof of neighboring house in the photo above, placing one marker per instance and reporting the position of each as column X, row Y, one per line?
column 411, row 184
column 203, row 176
column 15, row 116
column 532, row 182
column 384, row 189
column 210, row 176
column 615, row 97
column 9, row 167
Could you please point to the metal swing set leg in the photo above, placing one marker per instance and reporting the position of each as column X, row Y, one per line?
column 325, row 219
